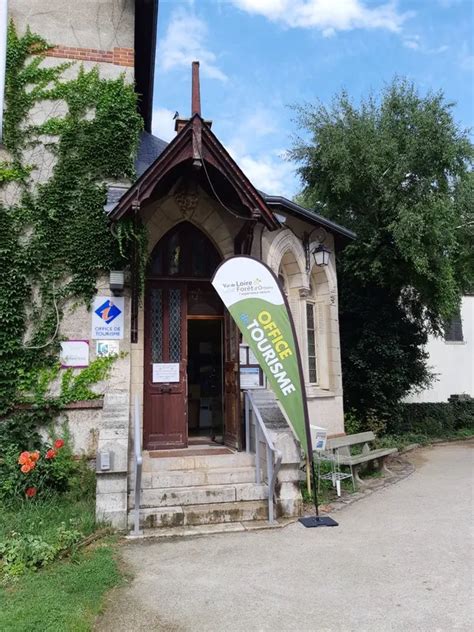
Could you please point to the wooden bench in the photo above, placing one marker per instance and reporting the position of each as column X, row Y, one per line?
column 338, row 451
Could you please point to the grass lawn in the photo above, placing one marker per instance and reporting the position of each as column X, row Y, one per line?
column 43, row 518
column 66, row 594
column 65, row 597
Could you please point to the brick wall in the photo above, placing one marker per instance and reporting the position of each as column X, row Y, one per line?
column 117, row 56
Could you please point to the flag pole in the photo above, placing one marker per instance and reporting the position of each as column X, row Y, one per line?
column 308, row 474
column 252, row 293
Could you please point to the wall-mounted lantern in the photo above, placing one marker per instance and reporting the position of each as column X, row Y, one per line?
column 117, row 282
column 321, row 255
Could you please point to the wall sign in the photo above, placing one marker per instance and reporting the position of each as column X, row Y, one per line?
column 251, row 374
column 165, row 372
column 319, row 437
column 107, row 318
column 74, row 353
column 249, row 377
column 106, row 348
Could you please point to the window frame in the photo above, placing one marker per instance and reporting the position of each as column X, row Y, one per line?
column 309, row 304
column 453, row 330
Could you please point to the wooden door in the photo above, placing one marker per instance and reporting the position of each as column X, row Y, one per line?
column 232, row 420
column 165, row 403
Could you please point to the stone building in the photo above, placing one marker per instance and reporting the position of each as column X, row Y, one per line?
column 199, row 208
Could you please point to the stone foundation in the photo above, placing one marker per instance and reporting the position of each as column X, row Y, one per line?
column 111, row 489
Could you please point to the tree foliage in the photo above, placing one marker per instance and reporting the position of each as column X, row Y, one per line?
column 396, row 170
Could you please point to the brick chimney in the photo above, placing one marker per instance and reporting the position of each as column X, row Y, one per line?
column 195, row 90
column 195, row 100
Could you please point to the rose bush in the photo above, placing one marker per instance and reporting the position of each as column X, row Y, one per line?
column 37, row 473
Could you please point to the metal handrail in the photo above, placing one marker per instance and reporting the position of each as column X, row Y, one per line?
column 274, row 456
column 138, row 462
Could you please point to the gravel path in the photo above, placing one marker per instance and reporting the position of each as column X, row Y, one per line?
column 401, row 559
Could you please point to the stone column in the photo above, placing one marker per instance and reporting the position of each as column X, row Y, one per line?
column 289, row 501
column 111, row 488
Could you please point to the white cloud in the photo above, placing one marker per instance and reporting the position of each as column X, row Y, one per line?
column 252, row 143
column 327, row 16
column 186, row 41
column 251, row 129
column 163, row 123
column 411, row 43
column 415, row 43
column 268, row 172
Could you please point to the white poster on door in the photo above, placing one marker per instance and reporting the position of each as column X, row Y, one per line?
column 165, row 372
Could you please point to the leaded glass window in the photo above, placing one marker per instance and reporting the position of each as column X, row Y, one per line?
column 175, row 325
column 311, row 334
column 156, row 305
column 184, row 252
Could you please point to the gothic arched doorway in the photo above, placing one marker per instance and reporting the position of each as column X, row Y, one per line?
column 190, row 393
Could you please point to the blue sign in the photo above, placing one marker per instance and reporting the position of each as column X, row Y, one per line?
column 108, row 311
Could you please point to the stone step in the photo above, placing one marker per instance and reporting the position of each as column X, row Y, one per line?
column 204, row 495
column 195, row 462
column 263, row 398
column 193, row 531
column 190, row 478
column 214, row 513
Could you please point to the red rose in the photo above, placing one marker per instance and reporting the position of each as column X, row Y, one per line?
column 31, row 492
column 50, row 454
column 24, row 458
column 58, row 444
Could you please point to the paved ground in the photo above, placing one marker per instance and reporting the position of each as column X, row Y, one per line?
column 401, row 559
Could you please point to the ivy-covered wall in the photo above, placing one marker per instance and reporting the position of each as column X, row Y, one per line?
column 55, row 238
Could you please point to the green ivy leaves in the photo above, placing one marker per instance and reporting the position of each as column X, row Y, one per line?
column 55, row 238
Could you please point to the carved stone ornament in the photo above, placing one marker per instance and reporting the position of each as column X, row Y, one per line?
column 304, row 292
column 187, row 197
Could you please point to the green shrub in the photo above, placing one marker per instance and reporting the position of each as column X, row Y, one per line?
column 20, row 430
column 432, row 419
column 352, row 423
column 372, row 421
column 34, row 474
column 20, row 552
column 34, row 533
column 463, row 411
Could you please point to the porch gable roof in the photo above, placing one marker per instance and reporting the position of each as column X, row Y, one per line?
column 195, row 142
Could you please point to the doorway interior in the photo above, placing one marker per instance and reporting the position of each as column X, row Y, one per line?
column 205, row 380
column 191, row 347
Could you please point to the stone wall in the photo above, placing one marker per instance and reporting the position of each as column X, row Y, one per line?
column 85, row 26
column 91, row 34
column 106, row 429
column 83, row 31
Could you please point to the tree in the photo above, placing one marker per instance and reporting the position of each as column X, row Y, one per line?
column 396, row 170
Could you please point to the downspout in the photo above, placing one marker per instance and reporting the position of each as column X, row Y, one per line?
column 3, row 58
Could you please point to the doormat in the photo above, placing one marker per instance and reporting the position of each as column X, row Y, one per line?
column 207, row 441
column 164, row 454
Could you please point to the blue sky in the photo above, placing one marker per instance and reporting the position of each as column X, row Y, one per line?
column 260, row 56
